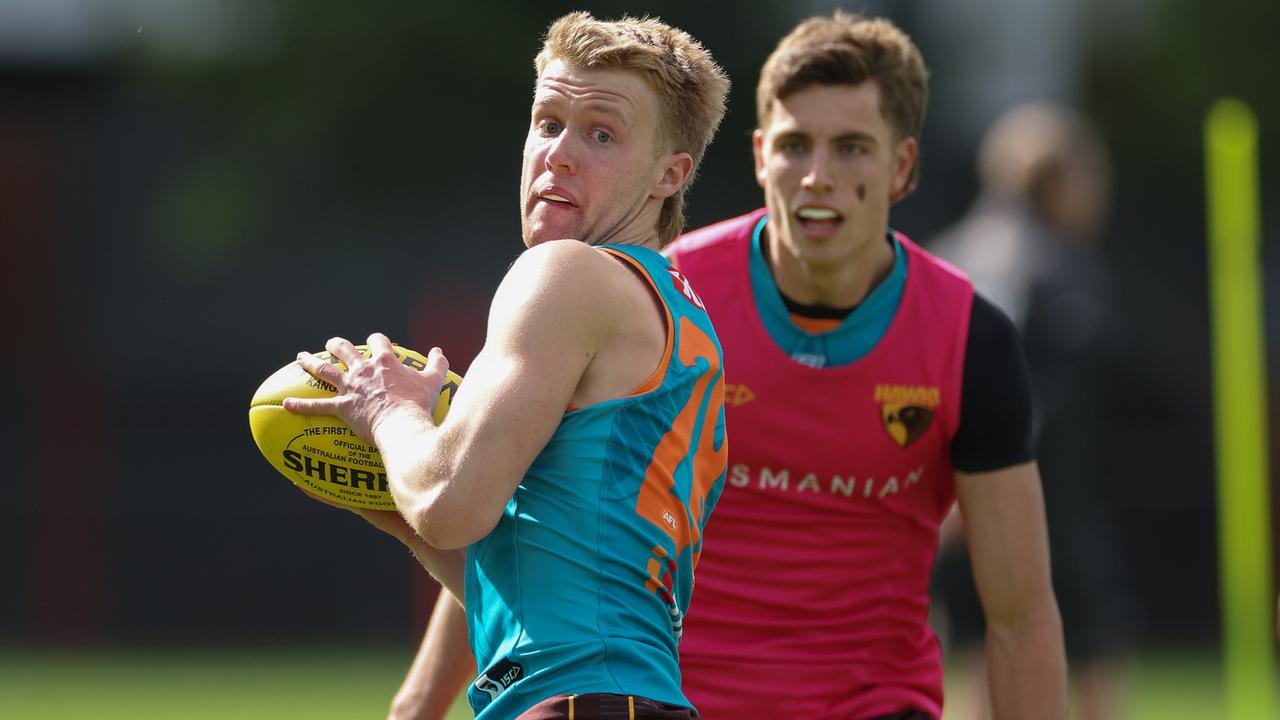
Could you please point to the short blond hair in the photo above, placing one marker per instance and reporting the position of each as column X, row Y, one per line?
column 691, row 88
column 849, row 49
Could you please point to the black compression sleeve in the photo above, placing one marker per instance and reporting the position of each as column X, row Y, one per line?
column 995, row 405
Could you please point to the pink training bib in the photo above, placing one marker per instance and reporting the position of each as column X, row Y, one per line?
column 812, row 590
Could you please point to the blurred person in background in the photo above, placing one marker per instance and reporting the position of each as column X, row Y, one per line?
column 565, row 494
column 868, row 388
column 1030, row 244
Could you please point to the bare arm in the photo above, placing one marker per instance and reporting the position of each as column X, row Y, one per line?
column 442, row 667
column 550, row 317
column 1009, row 548
column 553, row 312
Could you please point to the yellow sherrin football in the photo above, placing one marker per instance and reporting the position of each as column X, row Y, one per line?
column 319, row 453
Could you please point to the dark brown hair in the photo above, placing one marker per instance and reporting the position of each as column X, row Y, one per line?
column 849, row 49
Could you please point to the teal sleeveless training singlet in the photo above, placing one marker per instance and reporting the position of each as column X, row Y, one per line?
column 583, row 584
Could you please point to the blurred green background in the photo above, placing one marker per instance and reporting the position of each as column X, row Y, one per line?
column 193, row 190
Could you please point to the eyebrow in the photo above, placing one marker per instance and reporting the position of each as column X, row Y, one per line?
column 856, row 136
column 851, row 136
column 596, row 106
column 607, row 109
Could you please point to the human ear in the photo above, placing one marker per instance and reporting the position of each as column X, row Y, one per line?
column 675, row 171
column 904, row 166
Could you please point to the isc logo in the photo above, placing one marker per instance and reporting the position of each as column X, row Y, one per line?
column 498, row 678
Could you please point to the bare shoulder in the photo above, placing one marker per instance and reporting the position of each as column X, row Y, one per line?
column 560, row 259
column 565, row 299
column 565, row 283
column 571, row 272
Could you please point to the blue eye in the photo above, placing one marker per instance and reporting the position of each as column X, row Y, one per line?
column 550, row 127
column 602, row 136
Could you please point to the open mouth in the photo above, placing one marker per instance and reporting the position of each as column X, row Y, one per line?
column 818, row 220
column 556, row 199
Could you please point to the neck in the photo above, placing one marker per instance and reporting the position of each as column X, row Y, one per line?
column 841, row 284
column 649, row 240
column 640, row 229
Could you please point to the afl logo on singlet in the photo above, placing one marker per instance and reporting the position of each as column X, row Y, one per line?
column 669, row 518
column 906, row 411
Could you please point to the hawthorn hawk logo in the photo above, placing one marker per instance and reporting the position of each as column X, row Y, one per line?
column 906, row 410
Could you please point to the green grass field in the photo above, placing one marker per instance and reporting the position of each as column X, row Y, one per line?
column 338, row 683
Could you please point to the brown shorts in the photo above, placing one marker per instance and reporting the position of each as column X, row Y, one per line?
column 604, row 706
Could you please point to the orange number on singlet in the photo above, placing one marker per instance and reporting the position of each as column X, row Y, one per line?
column 657, row 502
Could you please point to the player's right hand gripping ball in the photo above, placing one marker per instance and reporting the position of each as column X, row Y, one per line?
column 319, row 453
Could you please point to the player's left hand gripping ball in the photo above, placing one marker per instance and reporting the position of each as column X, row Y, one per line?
column 319, row 453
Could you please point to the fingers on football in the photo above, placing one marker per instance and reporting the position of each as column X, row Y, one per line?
column 313, row 406
column 380, row 344
column 342, row 349
column 437, row 362
column 321, row 369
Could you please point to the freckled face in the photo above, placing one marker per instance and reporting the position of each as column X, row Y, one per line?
column 829, row 162
column 591, row 156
